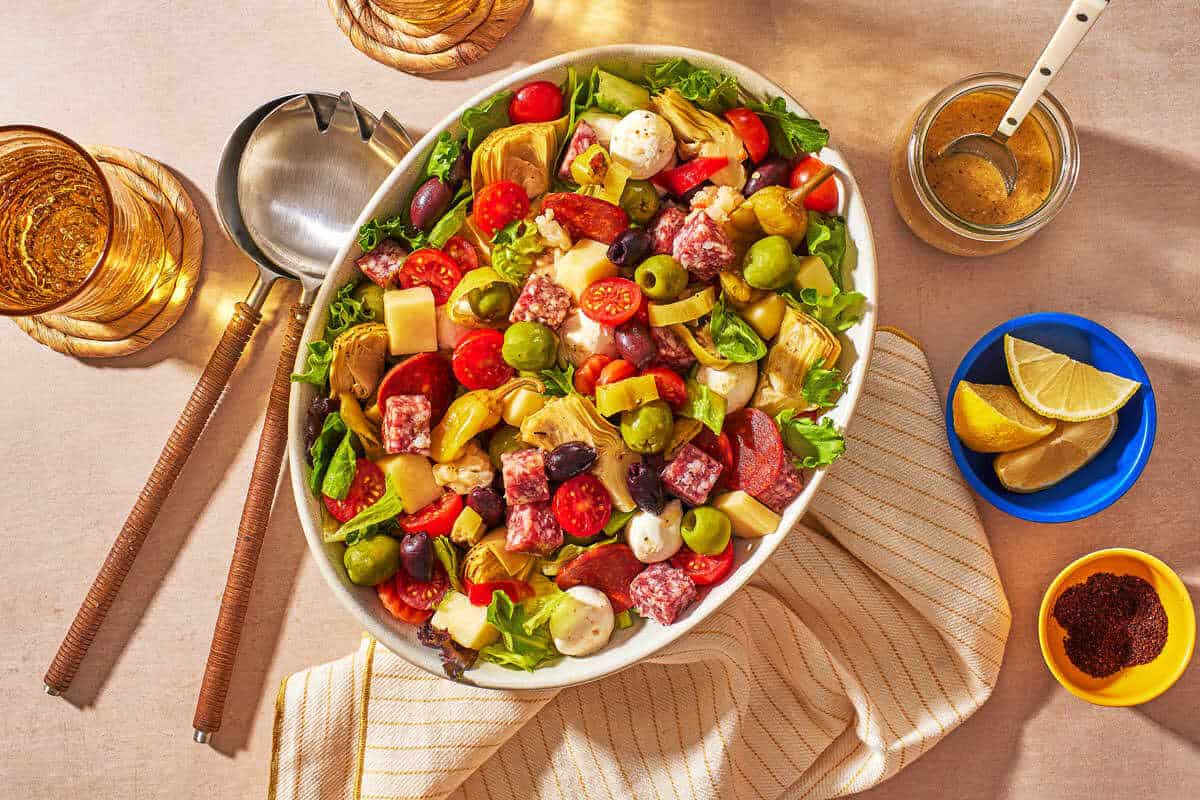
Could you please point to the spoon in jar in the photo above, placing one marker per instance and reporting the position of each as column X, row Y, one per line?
column 993, row 148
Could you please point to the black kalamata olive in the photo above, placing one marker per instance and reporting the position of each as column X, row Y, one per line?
column 568, row 460
column 631, row 247
column 320, row 408
column 687, row 196
column 645, row 487
column 461, row 170
column 416, row 556
column 772, row 172
column 635, row 344
column 429, row 202
column 486, row 502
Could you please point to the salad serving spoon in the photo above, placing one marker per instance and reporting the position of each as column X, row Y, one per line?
column 993, row 147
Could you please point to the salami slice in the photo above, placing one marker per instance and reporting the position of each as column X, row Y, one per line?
column 757, row 450
column 533, row 528
column 541, row 300
column 524, row 474
column 382, row 265
column 784, row 490
column 586, row 217
column 662, row 592
column 405, row 426
column 665, row 228
column 702, row 247
column 672, row 352
column 691, row 475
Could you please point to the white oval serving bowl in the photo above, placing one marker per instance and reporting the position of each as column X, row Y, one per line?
column 643, row 639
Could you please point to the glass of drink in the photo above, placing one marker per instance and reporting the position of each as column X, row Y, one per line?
column 75, row 239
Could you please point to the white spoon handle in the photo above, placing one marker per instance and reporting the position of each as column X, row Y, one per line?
column 1078, row 20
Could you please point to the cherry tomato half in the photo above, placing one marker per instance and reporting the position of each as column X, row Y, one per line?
column 480, row 594
column 589, row 372
column 432, row 268
column 498, row 204
column 421, row 595
column 670, row 385
column 367, row 487
column 615, row 371
column 704, row 570
column 389, row 595
column 540, row 101
column 750, row 129
column 611, row 301
column 478, row 361
column 582, row 505
column 823, row 199
column 435, row 519
column 462, row 253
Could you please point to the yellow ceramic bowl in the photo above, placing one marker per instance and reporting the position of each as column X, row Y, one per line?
column 1133, row 685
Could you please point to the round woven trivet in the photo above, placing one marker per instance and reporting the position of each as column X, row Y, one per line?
column 423, row 36
column 184, row 240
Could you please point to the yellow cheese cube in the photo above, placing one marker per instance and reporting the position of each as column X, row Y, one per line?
column 766, row 316
column 520, row 404
column 466, row 623
column 411, row 320
column 412, row 475
column 582, row 265
column 750, row 519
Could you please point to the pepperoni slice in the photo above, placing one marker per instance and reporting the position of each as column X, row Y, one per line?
column 582, row 506
column 462, row 252
column 425, row 373
column 478, row 360
column 586, row 217
column 432, row 268
column 367, row 487
column 757, row 450
column 421, row 595
column 609, row 568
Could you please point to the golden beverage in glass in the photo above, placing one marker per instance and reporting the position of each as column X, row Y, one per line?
column 75, row 239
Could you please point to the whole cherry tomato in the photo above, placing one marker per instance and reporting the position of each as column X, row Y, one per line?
column 498, row 204
column 540, row 101
column 614, row 371
column 750, row 129
column 823, row 199
column 589, row 371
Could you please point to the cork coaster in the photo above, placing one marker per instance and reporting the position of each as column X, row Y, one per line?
column 166, row 301
column 423, row 36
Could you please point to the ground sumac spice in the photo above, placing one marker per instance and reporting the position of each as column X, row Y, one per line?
column 1112, row 622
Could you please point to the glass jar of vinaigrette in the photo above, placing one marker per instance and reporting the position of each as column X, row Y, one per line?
column 958, row 204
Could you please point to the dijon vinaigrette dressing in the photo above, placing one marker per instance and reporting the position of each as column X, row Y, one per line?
column 970, row 187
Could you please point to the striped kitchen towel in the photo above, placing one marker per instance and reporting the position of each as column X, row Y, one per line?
column 873, row 631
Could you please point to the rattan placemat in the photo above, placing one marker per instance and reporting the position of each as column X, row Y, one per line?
column 423, row 36
column 162, row 308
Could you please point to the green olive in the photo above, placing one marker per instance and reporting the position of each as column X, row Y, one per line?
column 491, row 303
column 661, row 277
column 530, row 345
column 706, row 530
column 640, row 201
column 505, row 439
column 770, row 263
column 371, row 296
column 370, row 562
column 648, row 428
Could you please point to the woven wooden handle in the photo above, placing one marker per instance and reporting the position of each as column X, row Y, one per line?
column 255, row 514
column 174, row 455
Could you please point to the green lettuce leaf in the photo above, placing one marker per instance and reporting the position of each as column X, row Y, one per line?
column 323, row 449
column 823, row 386
column 340, row 474
column 445, row 552
column 383, row 510
column 449, row 224
column 791, row 134
column 516, row 648
column 837, row 311
column 733, row 337
column 345, row 312
column 623, row 620
column 488, row 116
column 813, row 444
column 442, row 155
column 513, row 249
column 705, row 405
column 559, row 382
column 616, row 522
column 715, row 92
column 827, row 239
column 316, row 364
column 540, row 608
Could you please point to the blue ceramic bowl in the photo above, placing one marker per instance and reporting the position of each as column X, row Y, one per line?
column 1113, row 471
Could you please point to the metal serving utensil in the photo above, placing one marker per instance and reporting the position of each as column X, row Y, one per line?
column 293, row 178
column 993, row 147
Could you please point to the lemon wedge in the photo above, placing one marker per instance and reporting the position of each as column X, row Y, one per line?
column 1059, row 387
column 992, row 419
column 1055, row 458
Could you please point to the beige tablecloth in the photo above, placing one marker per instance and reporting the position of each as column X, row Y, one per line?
column 874, row 630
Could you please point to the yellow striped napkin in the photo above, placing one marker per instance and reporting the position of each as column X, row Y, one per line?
column 876, row 628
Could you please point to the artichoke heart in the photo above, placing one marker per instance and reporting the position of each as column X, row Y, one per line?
column 357, row 363
column 702, row 134
column 803, row 343
column 487, row 561
column 522, row 153
column 575, row 419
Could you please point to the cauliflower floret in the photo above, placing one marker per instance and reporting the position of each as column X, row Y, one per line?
column 471, row 469
column 642, row 141
column 552, row 230
column 719, row 202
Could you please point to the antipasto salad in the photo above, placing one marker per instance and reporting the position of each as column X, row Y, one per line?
column 595, row 346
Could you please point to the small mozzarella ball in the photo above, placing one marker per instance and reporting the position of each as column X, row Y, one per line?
column 735, row 383
column 582, row 336
column 642, row 141
column 583, row 621
column 656, row 537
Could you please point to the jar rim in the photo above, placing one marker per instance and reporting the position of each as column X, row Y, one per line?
column 1064, row 178
column 94, row 165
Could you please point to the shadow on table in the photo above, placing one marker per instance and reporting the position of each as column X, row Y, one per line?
column 1175, row 711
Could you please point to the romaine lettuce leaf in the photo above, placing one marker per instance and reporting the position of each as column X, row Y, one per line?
column 791, row 134
column 823, row 386
column 322, row 450
column 517, row 648
column 837, row 311
column 340, row 474
column 826, row 238
column 732, row 336
column 316, row 364
column 705, row 405
column 715, row 92
column 813, row 444
column 442, row 155
column 383, row 510
column 488, row 116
